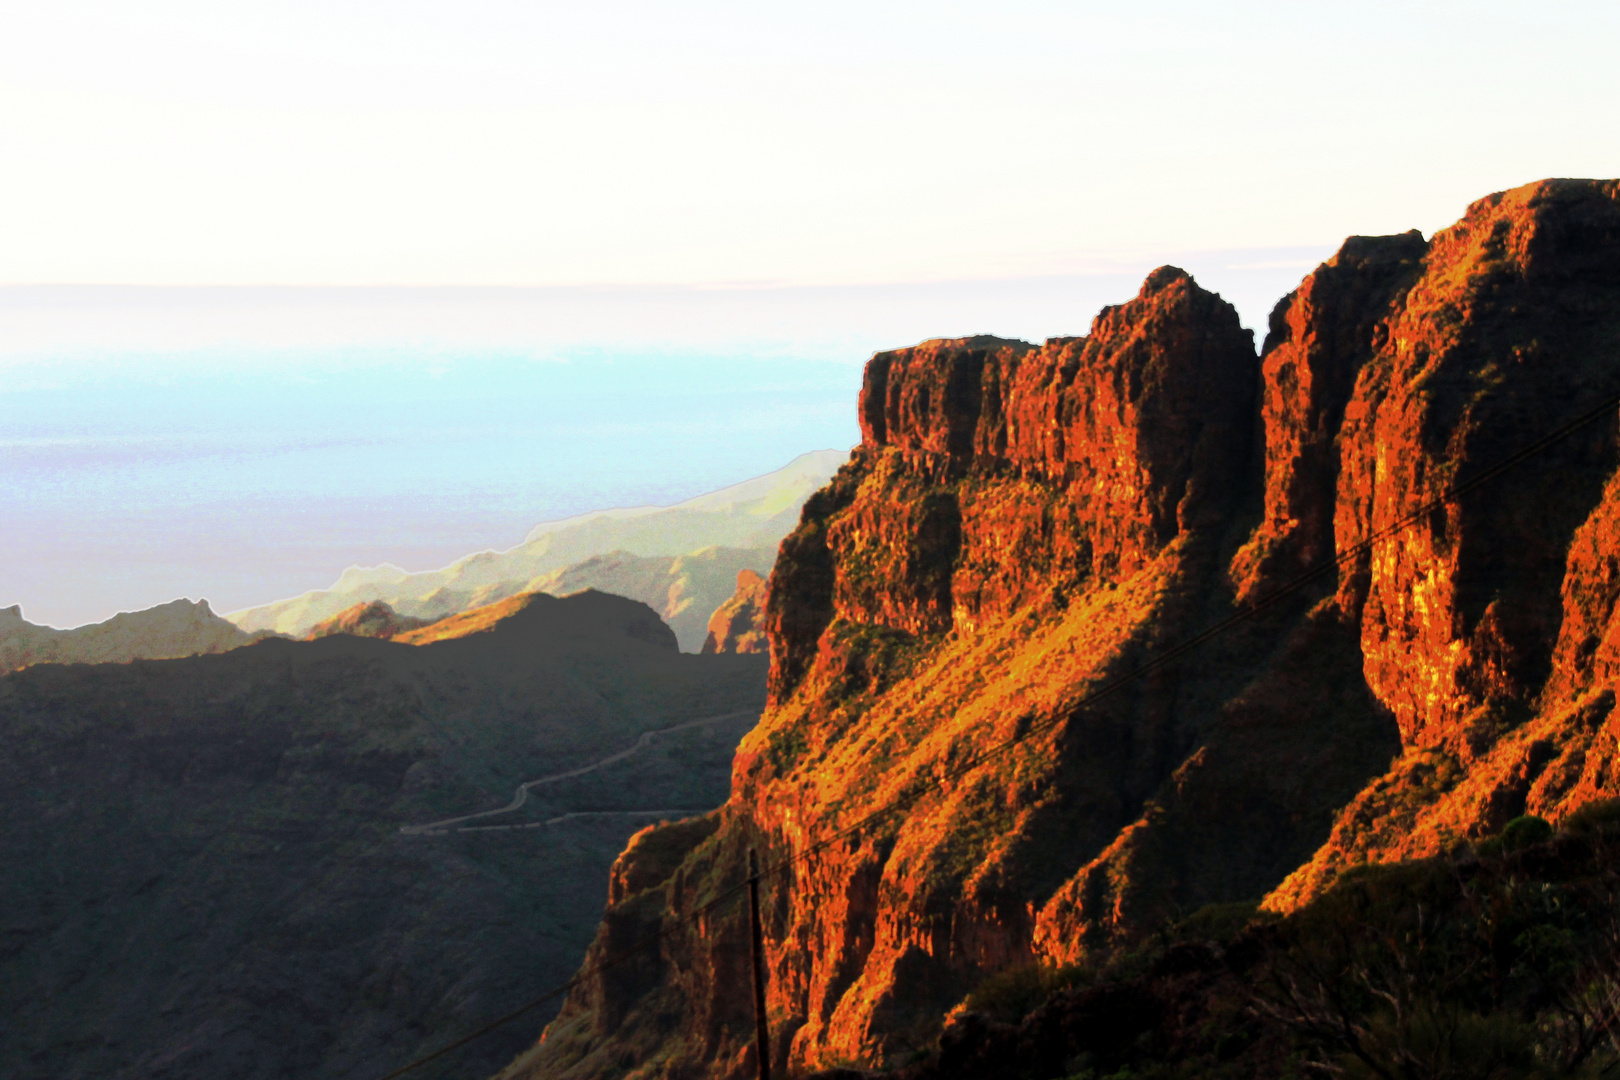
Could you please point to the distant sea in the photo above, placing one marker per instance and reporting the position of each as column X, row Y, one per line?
column 245, row 482
column 243, row 445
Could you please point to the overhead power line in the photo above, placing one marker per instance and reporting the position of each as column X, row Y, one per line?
column 1606, row 407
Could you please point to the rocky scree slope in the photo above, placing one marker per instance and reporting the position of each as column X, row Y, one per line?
column 1023, row 524
column 202, row 872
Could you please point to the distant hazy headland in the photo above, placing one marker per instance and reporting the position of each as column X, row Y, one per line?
column 682, row 560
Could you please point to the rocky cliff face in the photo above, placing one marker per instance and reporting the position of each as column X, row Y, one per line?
column 1021, row 525
column 1480, row 628
column 738, row 625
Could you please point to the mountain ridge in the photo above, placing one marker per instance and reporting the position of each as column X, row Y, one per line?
column 179, row 628
column 659, row 555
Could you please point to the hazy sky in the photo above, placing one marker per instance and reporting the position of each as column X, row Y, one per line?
column 286, row 287
column 508, row 143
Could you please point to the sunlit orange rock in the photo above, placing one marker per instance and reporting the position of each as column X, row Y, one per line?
column 1321, row 337
column 738, row 625
column 1018, row 524
column 996, row 474
column 1509, row 330
column 1022, row 525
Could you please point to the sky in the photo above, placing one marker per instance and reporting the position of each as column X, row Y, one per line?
column 289, row 287
column 484, row 142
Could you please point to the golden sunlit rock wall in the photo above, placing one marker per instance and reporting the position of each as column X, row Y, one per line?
column 1023, row 524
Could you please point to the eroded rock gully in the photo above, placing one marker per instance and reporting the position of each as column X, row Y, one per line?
column 1021, row 524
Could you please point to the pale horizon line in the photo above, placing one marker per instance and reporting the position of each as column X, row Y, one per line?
column 1099, row 266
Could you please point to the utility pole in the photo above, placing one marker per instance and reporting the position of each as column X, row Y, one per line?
column 762, row 1034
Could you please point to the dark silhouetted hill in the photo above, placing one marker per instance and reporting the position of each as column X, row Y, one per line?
column 202, row 873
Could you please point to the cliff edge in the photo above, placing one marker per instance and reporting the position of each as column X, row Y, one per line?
column 1024, row 525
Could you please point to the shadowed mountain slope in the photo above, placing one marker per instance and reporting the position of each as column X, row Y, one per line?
column 202, row 872
column 1025, row 525
column 678, row 588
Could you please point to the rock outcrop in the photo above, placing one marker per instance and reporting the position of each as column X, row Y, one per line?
column 1480, row 627
column 738, row 625
column 1319, row 340
column 1024, row 527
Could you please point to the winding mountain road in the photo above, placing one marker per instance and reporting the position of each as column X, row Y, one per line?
column 455, row 824
column 684, row 812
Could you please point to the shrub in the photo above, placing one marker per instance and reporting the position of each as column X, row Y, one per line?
column 1433, row 1039
column 1012, row 994
column 1520, row 833
column 1597, row 816
column 1525, row 830
column 1218, row 922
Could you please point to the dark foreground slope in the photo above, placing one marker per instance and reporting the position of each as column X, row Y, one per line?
column 202, row 873
column 1025, row 525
